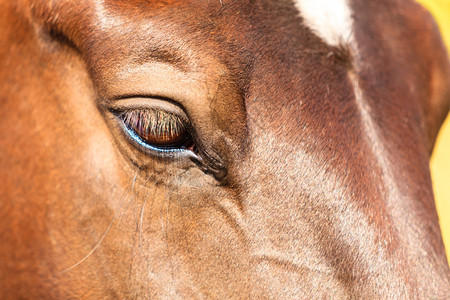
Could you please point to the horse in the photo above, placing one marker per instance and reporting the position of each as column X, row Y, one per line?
column 220, row 149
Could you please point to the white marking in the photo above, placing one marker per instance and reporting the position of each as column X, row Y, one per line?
column 331, row 20
column 104, row 19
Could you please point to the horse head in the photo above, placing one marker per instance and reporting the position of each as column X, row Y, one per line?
column 220, row 149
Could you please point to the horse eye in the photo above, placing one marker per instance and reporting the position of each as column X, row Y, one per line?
column 157, row 129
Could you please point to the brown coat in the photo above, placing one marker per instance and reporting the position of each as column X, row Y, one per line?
column 303, row 171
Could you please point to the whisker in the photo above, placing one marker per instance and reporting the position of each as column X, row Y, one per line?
column 186, row 241
column 132, row 196
column 169, row 200
column 147, row 260
column 140, row 231
column 95, row 248
column 104, row 235
column 142, row 214
column 164, row 230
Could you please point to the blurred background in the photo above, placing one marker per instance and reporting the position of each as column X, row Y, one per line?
column 440, row 161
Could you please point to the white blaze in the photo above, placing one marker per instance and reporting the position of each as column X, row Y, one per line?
column 331, row 20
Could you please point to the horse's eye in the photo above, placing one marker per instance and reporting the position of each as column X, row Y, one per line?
column 157, row 129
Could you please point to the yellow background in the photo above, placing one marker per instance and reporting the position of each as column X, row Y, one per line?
column 440, row 161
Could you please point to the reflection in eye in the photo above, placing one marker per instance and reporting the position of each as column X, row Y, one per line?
column 157, row 129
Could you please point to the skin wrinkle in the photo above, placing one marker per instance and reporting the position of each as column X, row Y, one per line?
column 335, row 207
column 304, row 210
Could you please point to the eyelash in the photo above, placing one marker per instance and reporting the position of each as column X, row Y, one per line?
column 157, row 130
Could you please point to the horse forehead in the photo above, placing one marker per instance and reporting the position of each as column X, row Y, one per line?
column 329, row 19
column 271, row 39
column 243, row 22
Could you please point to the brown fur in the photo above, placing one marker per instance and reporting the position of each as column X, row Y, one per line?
column 286, row 198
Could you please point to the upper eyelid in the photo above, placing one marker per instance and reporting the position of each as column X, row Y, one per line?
column 126, row 103
column 167, row 119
